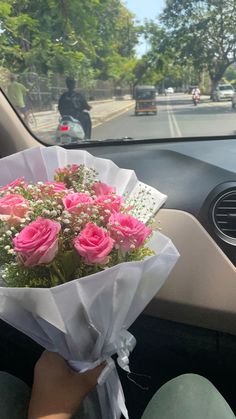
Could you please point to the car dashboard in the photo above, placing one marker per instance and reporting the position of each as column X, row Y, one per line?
column 200, row 218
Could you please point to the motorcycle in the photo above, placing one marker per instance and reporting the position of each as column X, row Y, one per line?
column 69, row 131
column 196, row 98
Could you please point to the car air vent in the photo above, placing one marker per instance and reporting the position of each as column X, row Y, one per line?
column 224, row 216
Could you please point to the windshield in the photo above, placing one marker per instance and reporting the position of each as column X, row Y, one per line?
column 226, row 87
column 71, row 69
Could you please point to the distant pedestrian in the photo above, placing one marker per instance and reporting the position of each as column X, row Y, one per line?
column 16, row 93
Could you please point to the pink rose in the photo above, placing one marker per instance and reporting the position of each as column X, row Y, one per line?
column 94, row 244
column 54, row 187
column 37, row 243
column 100, row 188
column 13, row 207
column 76, row 203
column 73, row 168
column 128, row 232
column 17, row 182
column 109, row 204
column 67, row 170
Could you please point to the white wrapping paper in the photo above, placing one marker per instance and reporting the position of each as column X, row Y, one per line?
column 86, row 320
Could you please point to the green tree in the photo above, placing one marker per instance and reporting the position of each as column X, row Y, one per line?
column 86, row 38
column 203, row 31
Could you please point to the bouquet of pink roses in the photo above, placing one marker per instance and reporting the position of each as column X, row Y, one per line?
column 79, row 259
column 54, row 232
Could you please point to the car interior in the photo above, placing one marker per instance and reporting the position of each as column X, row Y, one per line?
column 190, row 326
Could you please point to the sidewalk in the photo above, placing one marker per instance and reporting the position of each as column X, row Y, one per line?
column 101, row 111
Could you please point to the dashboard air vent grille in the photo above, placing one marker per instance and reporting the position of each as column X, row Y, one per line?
column 224, row 214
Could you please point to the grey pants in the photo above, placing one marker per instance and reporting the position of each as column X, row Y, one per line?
column 186, row 397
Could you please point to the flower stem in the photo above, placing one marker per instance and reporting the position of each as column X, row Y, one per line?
column 58, row 272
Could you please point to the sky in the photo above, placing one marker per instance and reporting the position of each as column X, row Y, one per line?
column 145, row 8
column 148, row 9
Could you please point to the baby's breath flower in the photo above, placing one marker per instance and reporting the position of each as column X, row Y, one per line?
column 9, row 233
column 7, row 247
column 66, row 221
column 46, row 212
column 11, row 252
column 53, row 213
column 66, row 214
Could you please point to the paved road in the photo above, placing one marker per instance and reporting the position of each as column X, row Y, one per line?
column 45, row 123
column 177, row 117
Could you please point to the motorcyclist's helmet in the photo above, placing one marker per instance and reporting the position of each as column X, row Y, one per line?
column 70, row 83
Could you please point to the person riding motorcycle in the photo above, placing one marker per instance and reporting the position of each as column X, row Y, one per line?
column 196, row 95
column 73, row 103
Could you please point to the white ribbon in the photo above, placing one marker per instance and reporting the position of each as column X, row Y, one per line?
column 109, row 383
column 126, row 345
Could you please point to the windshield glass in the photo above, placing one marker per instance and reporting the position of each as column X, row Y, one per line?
column 226, row 87
column 72, row 69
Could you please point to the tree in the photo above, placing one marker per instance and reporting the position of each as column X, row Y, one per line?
column 161, row 62
column 204, row 31
column 84, row 38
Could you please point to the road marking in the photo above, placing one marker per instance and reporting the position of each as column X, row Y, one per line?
column 172, row 133
column 114, row 116
column 174, row 127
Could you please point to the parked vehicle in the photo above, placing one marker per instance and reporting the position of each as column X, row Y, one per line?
column 223, row 92
column 69, row 131
column 169, row 91
column 145, row 97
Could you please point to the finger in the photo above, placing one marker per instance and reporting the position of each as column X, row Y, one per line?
column 93, row 375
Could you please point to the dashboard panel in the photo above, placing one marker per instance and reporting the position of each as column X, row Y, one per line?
column 193, row 174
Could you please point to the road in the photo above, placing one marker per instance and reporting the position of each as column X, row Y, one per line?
column 45, row 123
column 177, row 117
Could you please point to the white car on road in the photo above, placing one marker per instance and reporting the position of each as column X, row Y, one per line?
column 169, row 91
column 223, row 92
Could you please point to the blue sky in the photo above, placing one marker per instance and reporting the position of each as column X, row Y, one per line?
column 148, row 9
column 145, row 8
